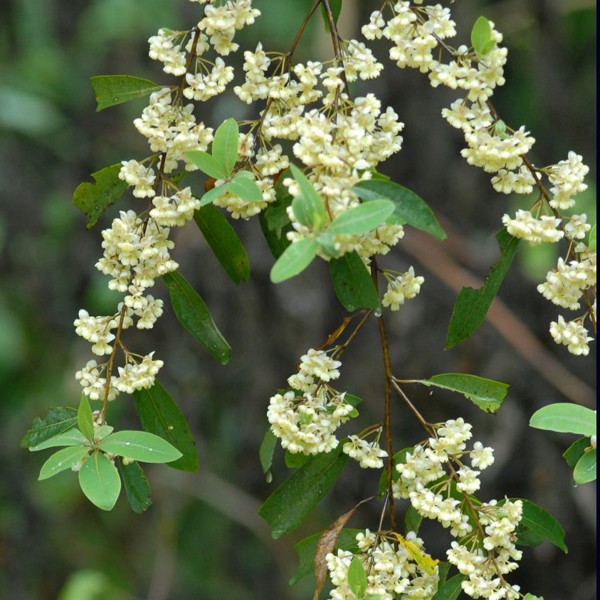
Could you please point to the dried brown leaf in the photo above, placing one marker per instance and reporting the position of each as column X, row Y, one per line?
column 327, row 543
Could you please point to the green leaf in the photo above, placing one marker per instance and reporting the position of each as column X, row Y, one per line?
column 308, row 207
column 265, row 453
column 362, row 218
column 140, row 445
column 225, row 144
column 532, row 597
column 72, row 437
column 575, row 451
column 58, row 420
column 307, row 548
column 287, row 507
column 136, row 486
column 487, row 394
column 294, row 260
column 111, row 90
column 472, row 305
column 352, row 282
column 336, row 9
column 207, row 164
column 100, row 481
column 451, row 589
column 244, row 186
column 160, row 415
column 94, row 198
column 85, row 419
column 585, row 469
column 193, row 314
column 565, row 417
column 412, row 520
column 275, row 224
column 295, row 460
column 224, row 242
column 540, row 524
column 357, row 578
column 592, row 239
column 409, row 207
column 62, row 460
column 481, row 37
column 210, row 196
column 443, row 570
column 326, row 241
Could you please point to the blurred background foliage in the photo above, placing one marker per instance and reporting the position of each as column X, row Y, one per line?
column 202, row 538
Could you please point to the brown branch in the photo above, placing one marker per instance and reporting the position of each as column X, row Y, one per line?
column 387, row 419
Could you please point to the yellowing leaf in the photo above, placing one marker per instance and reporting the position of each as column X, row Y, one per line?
column 425, row 561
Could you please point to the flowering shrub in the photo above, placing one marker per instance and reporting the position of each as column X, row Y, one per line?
column 307, row 164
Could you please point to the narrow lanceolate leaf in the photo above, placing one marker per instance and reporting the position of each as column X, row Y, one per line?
column 225, row 144
column 140, row 445
column 224, row 242
column 294, row 260
column 72, row 437
column 207, row 164
column 136, row 486
column 357, row 578
column 287, row 507
column 585, row 469
column 61, row 461
column 487, row 394
column 160, row 415
column 566, row 418
column 362, row 218
column 308, row 208
column 306, row 550
column 100, row 481
column 471, row 305
column 538, row 524
column 94, row 198
column 193, row 314
column 336, row 9
column 481, row 37
column 265, row 453
column 58, row 420
column 111, row 90
column 85, row 419
column 352, row 282
column 451, row 589
column 243, row 186
column 408, row 206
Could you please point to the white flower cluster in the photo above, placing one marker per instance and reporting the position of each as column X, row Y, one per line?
column 401, row 288
column 485, row 571
column 367, row 454
column 305, row 419
column 391, row 571
column 136, row 249
column 535, row 231
column 425, row 482
column 418, row 33
column 337, row 138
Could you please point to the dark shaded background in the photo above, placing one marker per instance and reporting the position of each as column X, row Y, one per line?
column 202, row 538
